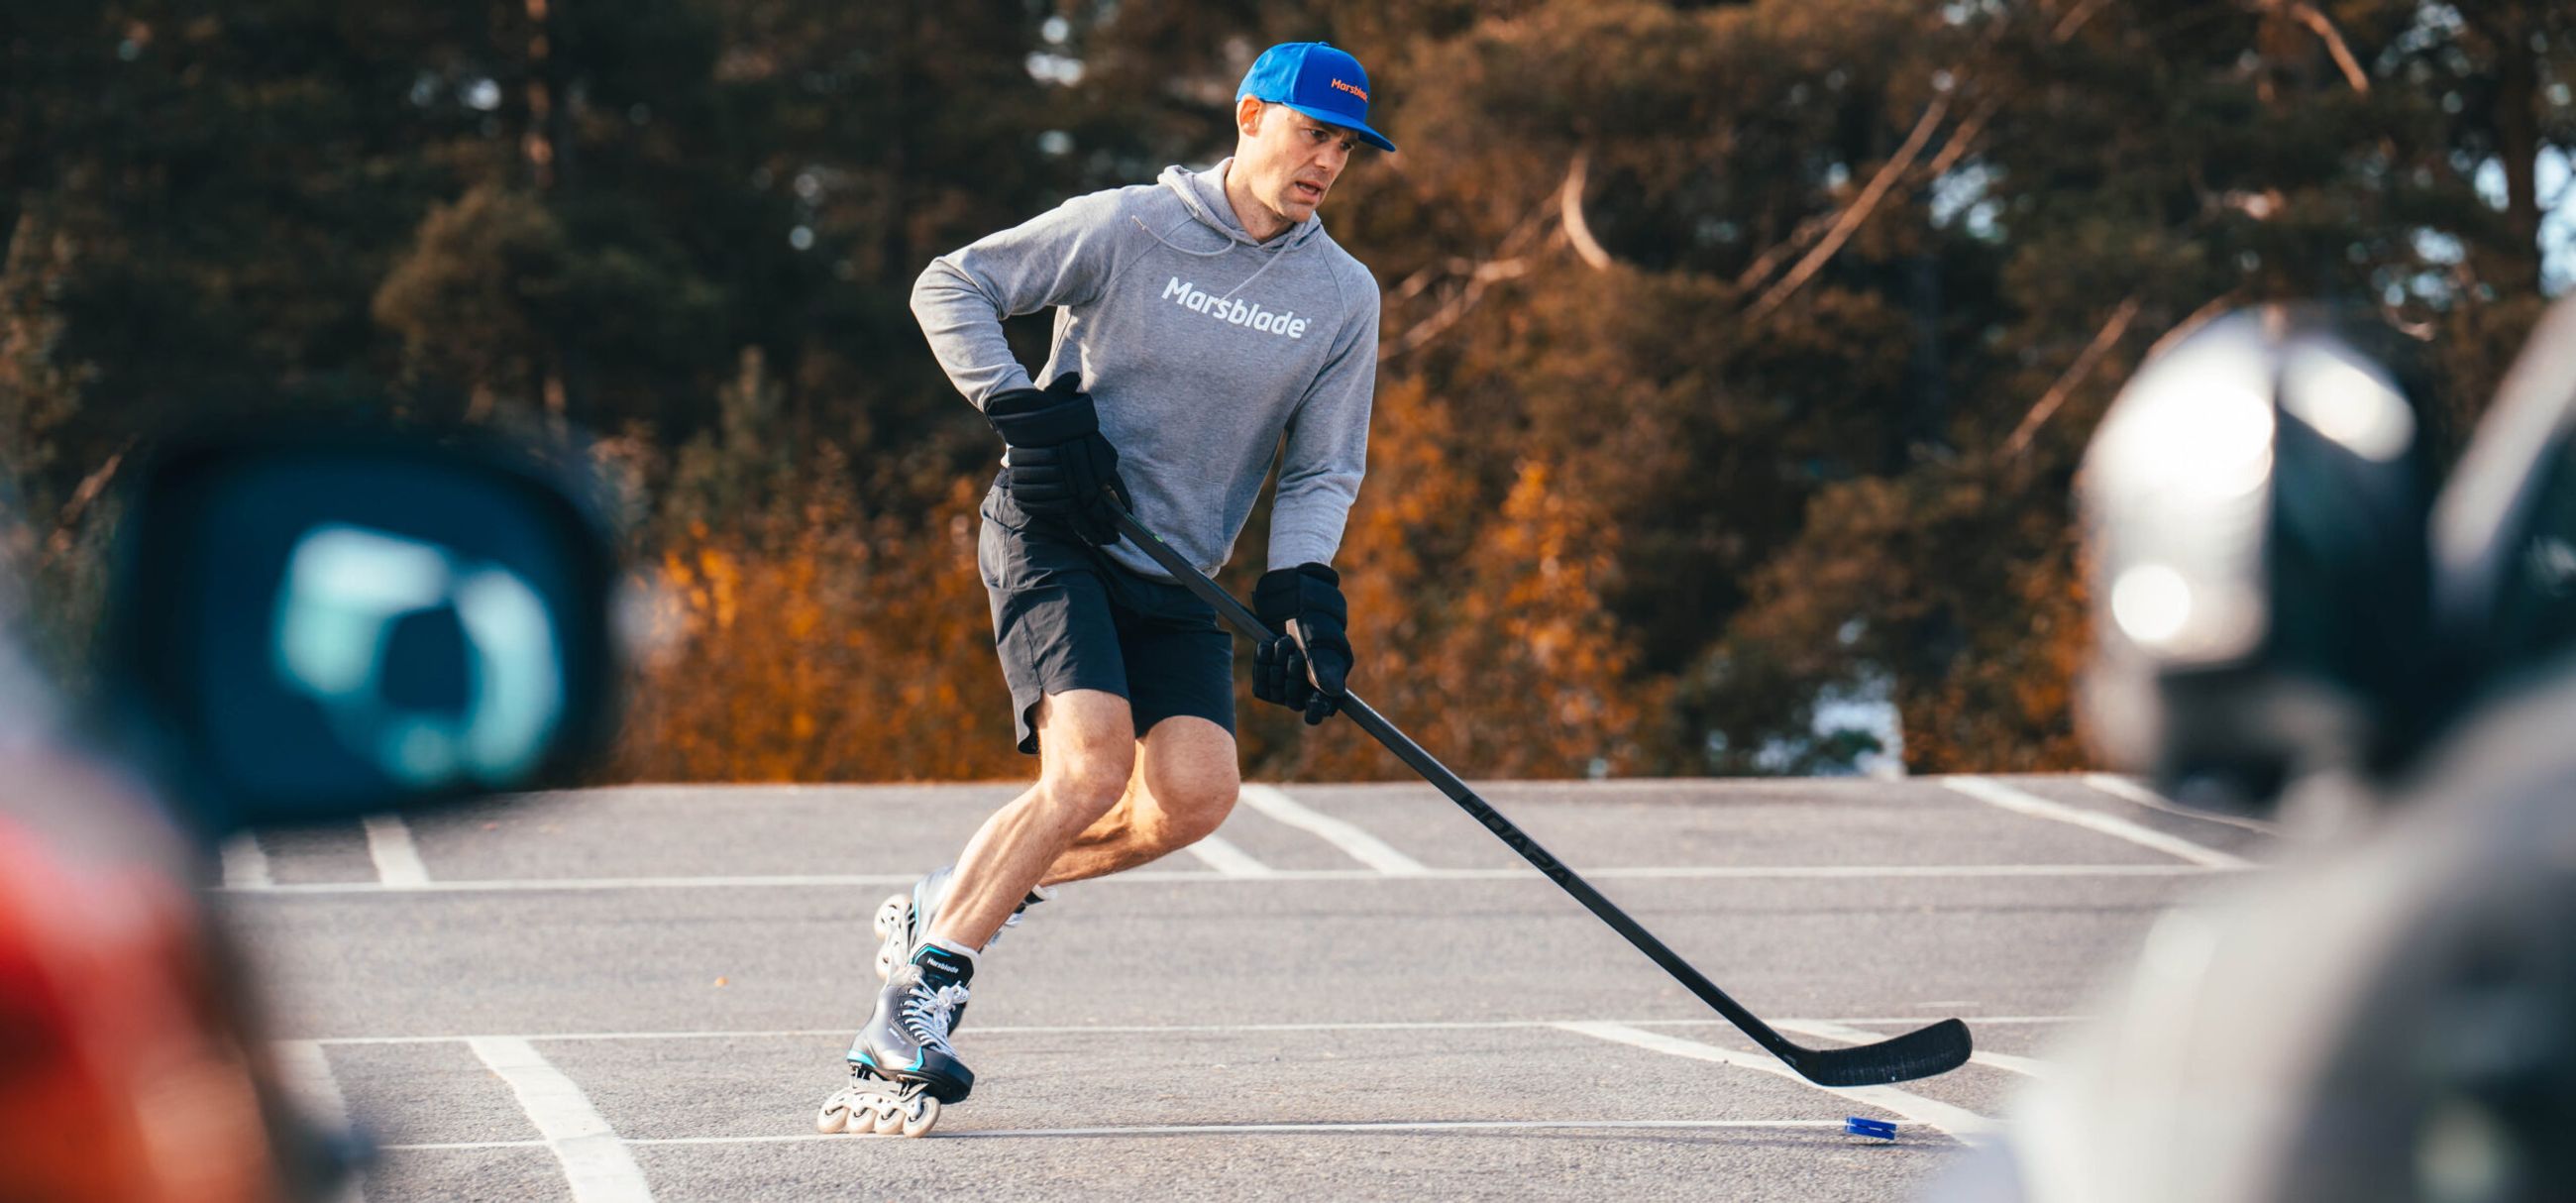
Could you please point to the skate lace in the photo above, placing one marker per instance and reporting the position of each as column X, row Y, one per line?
column 928, row 1013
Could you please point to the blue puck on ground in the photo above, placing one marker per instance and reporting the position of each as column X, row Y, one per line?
column 1878, row 1129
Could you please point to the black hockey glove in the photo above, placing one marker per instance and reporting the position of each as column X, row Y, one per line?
column 1060, row 468
column 1306, row 665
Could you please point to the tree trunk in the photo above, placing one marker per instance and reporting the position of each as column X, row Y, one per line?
column 2513, row 121
column 563, row 389
column 1928, row 413
column 548, row 135
column 2517, row 129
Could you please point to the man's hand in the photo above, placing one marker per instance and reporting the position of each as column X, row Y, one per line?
column 1307, row 665
column 1060, row 468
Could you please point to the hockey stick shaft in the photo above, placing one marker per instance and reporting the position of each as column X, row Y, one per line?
column 1918, row 1054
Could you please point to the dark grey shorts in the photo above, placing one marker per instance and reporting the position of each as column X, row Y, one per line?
column 1066, row 617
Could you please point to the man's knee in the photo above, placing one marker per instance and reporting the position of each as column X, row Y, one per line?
column 1193, row 793
column 1088, row 750
column 1089, row 783
column 1196, row 813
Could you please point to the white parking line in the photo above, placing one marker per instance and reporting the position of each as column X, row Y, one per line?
column 1160, row 1029
column 2131, row 791
column 1247, row 1129
column 1206, row 876
column 1221, row 855
column 305, row 1073
column 2026, row 1066
column 596, row 1163
column 1357, row 844
column 1957, row 1121
column 1997, row 794
column 245, row 865
column 397, row 859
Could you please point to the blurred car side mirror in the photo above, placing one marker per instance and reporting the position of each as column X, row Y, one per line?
column 2255, row 523
column 309, row 626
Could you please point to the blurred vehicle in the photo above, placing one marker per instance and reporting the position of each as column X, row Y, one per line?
column 303, row 627
column 2285, row 628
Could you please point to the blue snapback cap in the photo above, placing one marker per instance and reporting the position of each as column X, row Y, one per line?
column 1317, row 80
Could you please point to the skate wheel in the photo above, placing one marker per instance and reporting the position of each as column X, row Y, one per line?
column 886, row 1118
column 834, row 1116
column 890, row 914
column 919, row 1115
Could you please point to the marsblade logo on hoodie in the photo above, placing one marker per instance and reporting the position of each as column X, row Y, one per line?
column 1234, row 313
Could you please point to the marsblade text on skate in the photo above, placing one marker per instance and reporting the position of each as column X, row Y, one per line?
column 902, row 1069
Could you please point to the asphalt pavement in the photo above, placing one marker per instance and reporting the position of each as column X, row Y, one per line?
column 1351, row 992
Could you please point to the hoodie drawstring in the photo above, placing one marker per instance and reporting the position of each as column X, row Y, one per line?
column 1272, row 260
column 1275, row 257
column 1156, row 236
column 1183, row 184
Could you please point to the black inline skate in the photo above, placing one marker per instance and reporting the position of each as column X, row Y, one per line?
column 901, row 1067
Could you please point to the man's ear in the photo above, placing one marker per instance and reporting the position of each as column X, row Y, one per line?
column 1247, row 116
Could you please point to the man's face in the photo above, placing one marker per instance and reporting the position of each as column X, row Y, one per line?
column 1289, row 158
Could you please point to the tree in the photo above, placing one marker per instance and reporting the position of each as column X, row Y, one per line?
column 1775, row 327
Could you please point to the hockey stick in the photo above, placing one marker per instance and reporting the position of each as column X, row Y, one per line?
column 1940, row 1048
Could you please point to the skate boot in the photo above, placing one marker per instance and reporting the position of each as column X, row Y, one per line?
column 901, row 1067
column 903, row 921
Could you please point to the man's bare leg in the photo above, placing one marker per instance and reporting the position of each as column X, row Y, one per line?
column 1086, row 752
column 1185, row 783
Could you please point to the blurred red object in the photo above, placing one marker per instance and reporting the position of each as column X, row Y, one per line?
column 126, row 1072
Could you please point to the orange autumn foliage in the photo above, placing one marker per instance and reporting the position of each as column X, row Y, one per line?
column 795, row 639
column 1502, row 661
column 838, row 649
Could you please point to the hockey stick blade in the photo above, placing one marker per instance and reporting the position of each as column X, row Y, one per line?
column 1938, row 1049
column 1943, row 1047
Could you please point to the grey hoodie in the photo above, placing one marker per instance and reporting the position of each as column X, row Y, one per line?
column 1201, row 347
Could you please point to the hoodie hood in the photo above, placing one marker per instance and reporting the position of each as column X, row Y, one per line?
column 1203, row 194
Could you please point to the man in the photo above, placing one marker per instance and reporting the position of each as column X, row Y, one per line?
column 1203, row 324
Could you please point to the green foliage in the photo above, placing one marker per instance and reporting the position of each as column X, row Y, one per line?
column 479, row 290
